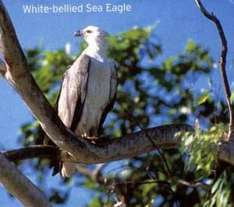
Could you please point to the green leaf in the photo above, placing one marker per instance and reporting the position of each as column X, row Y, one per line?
column 203, row 98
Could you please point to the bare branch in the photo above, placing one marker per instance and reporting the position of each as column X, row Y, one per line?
column 20, row 186
column 223, row 58
column 126, row 147
column 110, row 149
column 37, row 151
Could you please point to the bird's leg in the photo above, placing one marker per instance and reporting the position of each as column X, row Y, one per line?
column 92, row 134
column 92, row 139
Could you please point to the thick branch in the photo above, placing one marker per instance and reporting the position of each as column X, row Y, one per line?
column 110, row 149
column 121, row 148
column 37, row 151
column 20, row 186
column 223, row 58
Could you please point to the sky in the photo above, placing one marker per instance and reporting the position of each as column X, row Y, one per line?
column 177, row 22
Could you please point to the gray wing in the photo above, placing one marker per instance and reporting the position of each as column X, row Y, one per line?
column 73, row 92
column 112, row 97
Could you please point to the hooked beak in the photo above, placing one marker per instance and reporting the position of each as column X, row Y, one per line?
column 78, row 33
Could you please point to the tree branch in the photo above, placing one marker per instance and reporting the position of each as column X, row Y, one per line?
column 20, row 186
column 37, row 151
column 223, row 57
column 110, row 149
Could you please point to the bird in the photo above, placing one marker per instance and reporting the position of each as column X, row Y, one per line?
column 88, row 89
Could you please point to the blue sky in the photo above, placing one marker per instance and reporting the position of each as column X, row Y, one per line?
column 177, row 21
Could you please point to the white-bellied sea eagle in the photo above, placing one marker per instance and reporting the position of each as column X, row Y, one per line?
column 88, row 90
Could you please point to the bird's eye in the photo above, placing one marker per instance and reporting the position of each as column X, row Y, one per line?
column 88, row 31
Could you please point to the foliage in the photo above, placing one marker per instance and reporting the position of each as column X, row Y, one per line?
column 198, row 144
column 220, row 193
column 152, row 91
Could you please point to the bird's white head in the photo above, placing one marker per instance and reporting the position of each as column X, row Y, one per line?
column 92, row 35
column 96, row 39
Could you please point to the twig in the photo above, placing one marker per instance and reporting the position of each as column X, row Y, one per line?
column 222, row 62
column 161, row 154
column 161, row 182
column 145, row 182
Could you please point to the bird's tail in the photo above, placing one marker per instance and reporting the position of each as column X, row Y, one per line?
column 68, row 169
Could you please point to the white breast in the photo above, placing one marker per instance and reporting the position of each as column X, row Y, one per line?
column 97, row 98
